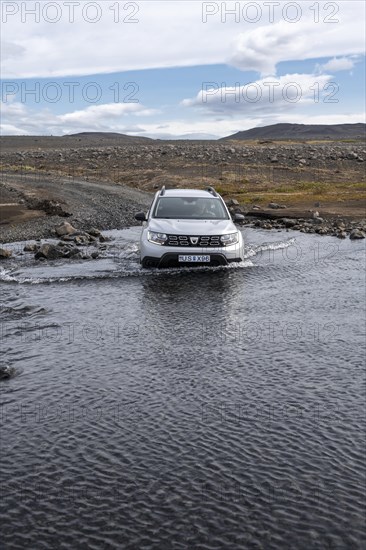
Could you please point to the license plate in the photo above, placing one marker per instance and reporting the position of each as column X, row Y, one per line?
column 193, row 258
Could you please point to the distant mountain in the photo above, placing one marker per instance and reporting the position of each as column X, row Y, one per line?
column 187, row 137
column 107, row 135
column 302, row 132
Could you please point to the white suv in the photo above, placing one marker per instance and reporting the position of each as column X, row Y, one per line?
column 186, row 227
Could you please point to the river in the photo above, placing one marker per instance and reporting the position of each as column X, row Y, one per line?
column 206, row 408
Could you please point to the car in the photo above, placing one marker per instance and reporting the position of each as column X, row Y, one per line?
column 186, row 227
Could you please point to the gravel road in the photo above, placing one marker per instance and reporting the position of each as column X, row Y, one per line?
column 85, row 204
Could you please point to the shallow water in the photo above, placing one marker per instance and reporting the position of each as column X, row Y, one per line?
column 203, row 408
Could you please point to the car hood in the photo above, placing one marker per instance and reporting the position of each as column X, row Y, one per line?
column 192, row 227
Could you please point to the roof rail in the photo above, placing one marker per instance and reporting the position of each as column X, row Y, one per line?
column 212, row 191
column 162, row 191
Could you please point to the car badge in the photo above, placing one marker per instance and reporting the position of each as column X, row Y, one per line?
column 194, row 240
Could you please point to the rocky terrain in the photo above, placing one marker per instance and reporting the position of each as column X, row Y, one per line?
column 101, row 182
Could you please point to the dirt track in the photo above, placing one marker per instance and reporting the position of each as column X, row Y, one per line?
column 86, row 203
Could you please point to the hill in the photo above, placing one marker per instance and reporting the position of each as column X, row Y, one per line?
column 302, row 132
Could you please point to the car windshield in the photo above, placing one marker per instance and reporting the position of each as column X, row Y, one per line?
column 190, row 208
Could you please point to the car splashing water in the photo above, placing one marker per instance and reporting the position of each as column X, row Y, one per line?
column 185, row 408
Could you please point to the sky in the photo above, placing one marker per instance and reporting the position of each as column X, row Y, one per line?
column 175, row 69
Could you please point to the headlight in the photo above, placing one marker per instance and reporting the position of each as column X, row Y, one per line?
column 156, row 238
column 230, row 238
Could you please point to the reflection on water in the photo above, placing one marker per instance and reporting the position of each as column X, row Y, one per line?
column 200, row 408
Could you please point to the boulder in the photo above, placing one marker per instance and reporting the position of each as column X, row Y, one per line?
column 4, row 253
column 357, row 234
column 288, row 222
column 232, row 202
column 65, row 229
column 81, row 240
column 94, row 232
column 30, row 247
column 49, row 252
column 318, row 220
column 103, row 238
column 70, row 252
column 6, row 372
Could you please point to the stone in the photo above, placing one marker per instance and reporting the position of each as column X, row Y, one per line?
column 232, row 202
column 71, row 252
column 274, row 205
column 288, row 222
column 357, row 234
column 6, row 372
column 30, row 247
column 94, row 232
column 81, row 240
column 4, row 253
column 65, row 229
column 49, row 252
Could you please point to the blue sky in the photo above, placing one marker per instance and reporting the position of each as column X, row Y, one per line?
column 180, row 69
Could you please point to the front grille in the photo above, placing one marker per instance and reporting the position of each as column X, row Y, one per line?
column 190, row 240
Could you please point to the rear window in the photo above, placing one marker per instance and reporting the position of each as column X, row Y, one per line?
column 190, row 208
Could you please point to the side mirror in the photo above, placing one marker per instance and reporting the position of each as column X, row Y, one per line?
column 238, row 217
column 140, row 216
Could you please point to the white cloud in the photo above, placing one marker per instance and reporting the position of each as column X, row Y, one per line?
column 110, row 117
column 339, row 64
column 104, row 114
column 268, row 95
column 264, row 47
column 170, row 34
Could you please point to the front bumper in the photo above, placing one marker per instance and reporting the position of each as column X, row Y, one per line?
column 152, row 255
column 170, row 259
